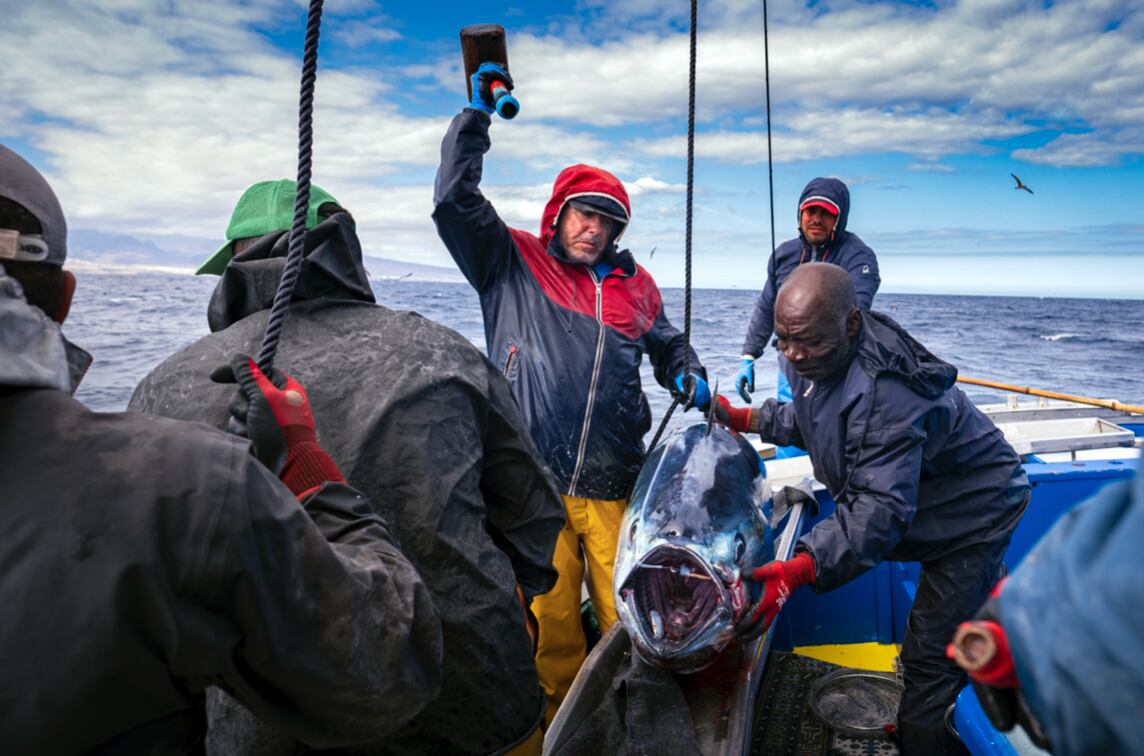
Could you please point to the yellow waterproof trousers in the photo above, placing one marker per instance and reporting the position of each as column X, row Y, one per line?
column 591, row 531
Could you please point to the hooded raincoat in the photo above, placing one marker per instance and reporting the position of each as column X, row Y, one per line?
column 845, row 250
column 918, row 471
column 421, row 422
column 569, row 341
column 144, row 560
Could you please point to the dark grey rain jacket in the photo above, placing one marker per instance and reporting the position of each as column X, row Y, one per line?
column 845, row 250
column 427, row 428
column 145, row 559
column 916, row 470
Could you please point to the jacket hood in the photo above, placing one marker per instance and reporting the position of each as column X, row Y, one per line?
column 331, row 269
column 578, row 181
column 32, row 353
column 884, row 347
column 836, row 192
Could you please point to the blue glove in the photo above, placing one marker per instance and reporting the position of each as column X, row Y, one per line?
column 745, row 380
column 482, row 80
column 702, row 392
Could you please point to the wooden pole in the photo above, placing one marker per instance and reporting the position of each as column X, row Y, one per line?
column 1111, row 404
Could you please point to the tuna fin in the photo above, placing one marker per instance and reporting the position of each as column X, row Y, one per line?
column 711, row 407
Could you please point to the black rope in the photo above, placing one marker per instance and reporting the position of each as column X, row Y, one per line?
column 770, row 160
column 663, row 424
column 687, row 233
column 690, row 182
column 280, row 309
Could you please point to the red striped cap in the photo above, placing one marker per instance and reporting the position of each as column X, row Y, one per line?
column 818, row 200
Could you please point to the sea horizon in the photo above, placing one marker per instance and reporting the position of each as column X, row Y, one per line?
column 454, row 276
column 1087, row 347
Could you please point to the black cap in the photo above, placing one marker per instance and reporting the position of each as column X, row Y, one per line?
column 601, row 204
column 23, row 184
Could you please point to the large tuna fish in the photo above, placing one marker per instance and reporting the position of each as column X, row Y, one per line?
column 700, row 513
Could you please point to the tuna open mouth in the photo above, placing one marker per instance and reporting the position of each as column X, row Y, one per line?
column 673, row 595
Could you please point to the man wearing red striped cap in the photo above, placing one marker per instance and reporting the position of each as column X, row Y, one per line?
column 823, row 208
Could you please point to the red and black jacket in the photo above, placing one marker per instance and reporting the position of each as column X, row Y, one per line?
column 569, row 341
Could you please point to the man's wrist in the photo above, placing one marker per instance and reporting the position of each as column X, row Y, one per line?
column 803, row 568
column 307, row 467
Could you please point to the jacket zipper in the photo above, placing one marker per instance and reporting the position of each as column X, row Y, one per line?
column 508, row 360
column 591, row 386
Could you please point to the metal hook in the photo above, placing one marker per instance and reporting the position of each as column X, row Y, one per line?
column 711, row 406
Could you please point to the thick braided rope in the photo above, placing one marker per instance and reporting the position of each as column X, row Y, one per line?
column 690, row 180
column 280, row 309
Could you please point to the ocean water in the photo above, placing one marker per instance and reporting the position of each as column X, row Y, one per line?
column 130, row 322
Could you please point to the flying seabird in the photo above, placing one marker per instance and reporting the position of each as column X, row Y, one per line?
column 1019, row 184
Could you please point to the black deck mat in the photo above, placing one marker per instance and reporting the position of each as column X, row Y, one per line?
column 784, row 722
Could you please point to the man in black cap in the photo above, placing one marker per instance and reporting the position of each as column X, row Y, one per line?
column 568, row 317
column 147, row 559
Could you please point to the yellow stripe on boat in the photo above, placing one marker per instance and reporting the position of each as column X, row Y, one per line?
column 877, row 657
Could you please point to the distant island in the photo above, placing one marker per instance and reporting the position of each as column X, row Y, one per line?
column 125, row 253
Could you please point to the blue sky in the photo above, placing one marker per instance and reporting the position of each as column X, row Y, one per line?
column 151, row 118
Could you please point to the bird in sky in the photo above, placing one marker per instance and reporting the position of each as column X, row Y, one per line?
column 1019, row 184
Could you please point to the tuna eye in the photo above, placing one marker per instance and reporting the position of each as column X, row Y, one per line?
column 740, row 547
column 632, row 533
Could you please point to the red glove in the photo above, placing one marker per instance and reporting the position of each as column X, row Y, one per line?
column 779, row 579
column 981, row 648
column 735, row 418
column 274, row 413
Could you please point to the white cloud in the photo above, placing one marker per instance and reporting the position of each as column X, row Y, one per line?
column 648, row 185
column 1085, row 150
column 345, row 7
column 1016, row 66
column 817, row 134
column 157, row 115
column 930, row 168
column 360, row 33
column 1117, row 240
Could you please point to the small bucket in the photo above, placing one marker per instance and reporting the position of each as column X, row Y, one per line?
column 856, row 702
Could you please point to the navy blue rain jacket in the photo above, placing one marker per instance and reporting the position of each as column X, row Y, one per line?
column 916, row 469
column 569, row 342
column 1084, row 678
column 845, row 250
